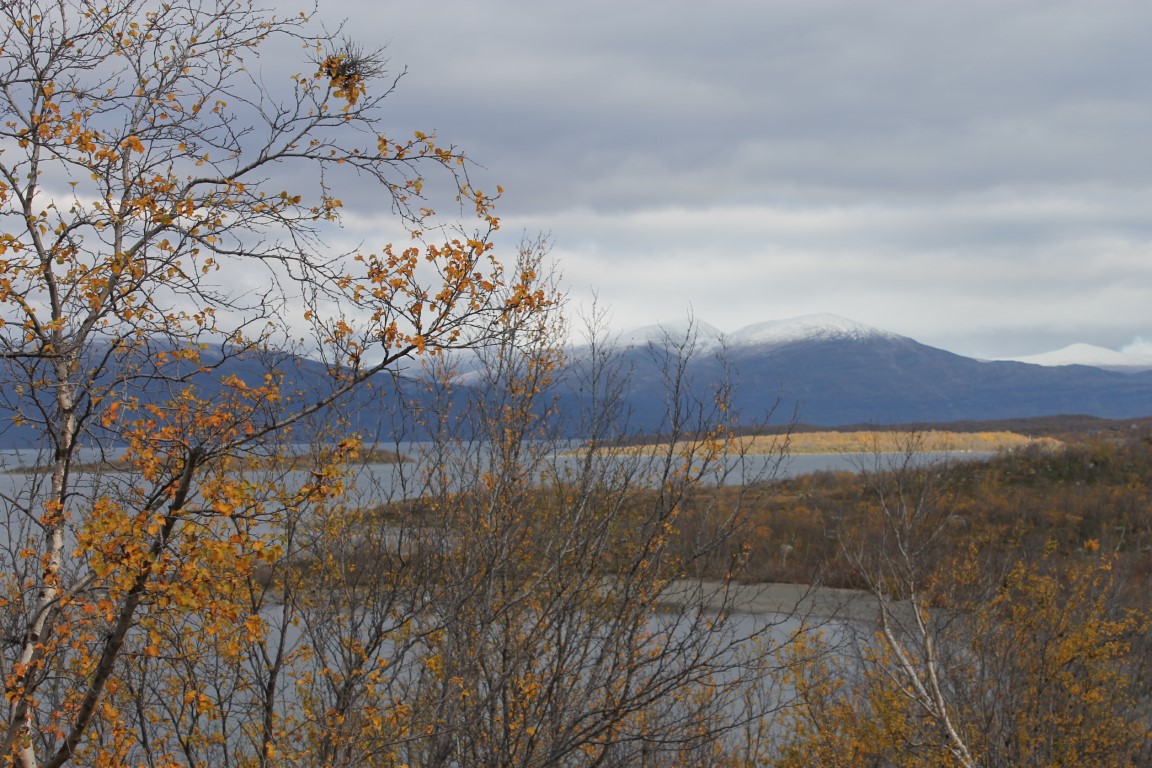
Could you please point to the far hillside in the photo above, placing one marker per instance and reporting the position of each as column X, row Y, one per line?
column 829, row 371
column 1092, row 492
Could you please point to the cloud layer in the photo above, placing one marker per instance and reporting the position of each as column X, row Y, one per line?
column 974, row 174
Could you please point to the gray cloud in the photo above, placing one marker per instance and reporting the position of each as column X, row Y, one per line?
column 972, row 174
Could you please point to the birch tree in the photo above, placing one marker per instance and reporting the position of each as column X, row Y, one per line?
column 977, row 657
column 163, row 214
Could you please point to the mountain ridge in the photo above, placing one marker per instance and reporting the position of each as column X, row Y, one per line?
column 827, row 325
column 828, row 370
column 768, row 332
column 1091, row 355
column 822, row 370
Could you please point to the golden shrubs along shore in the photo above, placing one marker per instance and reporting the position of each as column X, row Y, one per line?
column 873, row 442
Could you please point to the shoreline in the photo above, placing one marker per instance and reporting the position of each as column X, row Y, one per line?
column 802, row 601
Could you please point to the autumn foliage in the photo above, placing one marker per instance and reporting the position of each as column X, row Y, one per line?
column 1004, row 637
column 197, row 566
column 164, row 211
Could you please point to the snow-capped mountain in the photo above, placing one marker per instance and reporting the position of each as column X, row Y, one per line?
column 819, row 369
column 827, row 369
column 674, row 333
column 821, row 327
column 1089, row 354
column 773, row 333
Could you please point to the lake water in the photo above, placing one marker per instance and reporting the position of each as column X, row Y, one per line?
column 396, row 481
column 757, row 618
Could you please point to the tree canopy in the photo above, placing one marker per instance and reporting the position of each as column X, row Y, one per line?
column 163, row 211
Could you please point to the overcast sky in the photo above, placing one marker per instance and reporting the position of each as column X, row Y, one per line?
column 976, row 175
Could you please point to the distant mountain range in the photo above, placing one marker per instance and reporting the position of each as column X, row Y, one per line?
column 828, row 370
column 1089, row 354
column 821, row 370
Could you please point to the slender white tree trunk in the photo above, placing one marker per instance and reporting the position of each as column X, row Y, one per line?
column 52, row 558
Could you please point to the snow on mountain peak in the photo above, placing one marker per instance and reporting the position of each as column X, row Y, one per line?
column 1089, row 354
column 706, row 336
column 821, row 327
